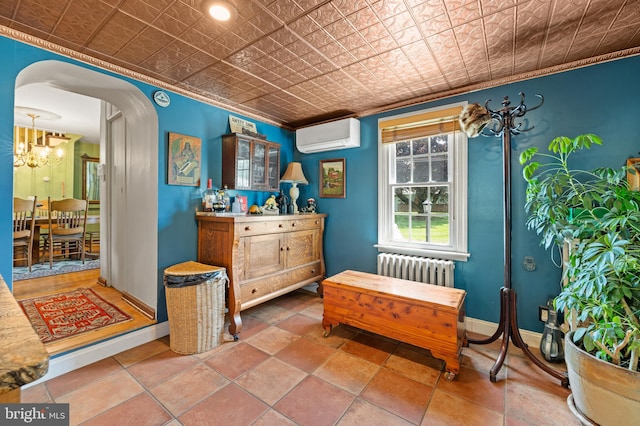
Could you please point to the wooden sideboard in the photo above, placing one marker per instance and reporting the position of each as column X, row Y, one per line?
column 265, row 256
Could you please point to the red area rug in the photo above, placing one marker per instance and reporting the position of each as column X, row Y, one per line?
column 63, row 315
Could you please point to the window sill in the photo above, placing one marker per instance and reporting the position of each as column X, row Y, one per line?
column 438, row 254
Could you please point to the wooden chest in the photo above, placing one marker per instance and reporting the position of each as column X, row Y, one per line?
column 424, row 315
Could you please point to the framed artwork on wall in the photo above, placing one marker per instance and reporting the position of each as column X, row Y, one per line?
column 333, row 178
column 633, row 173
column 183, row 156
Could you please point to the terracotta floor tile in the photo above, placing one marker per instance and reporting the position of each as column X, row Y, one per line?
column 305, row 354
column 347, row 371
column 398, row 394
column 363, row 413
column 534, row 405
column 142, row 352
column 35, row 394
column 314, row 311
column 352, row 377
column 271, row 380
column 299, row 324
column 338, row 336
column 314, row 402
column 187, row 388
column 237, row 361
column 450, row 410
column 230, row 406
column 141, row 410
column 476, row 387
column 414, row 364
column 272, row 340
column 251, row 326
column 100, row 395
column 482, row 359
column 82, row 376
column 370, row 347
column 522, row 370
column 298, row 300
column 273, row 418
column 270, row 313
column 160, row 367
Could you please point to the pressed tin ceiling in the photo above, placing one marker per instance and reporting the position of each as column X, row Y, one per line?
column 296, row 62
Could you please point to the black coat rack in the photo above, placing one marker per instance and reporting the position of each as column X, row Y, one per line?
column 508, row 325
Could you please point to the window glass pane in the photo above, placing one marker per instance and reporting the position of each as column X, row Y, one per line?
column 403, row 170
column 402, row 231
column 402, row 149
column 421, row 169
column 421, row 146
column 439, row 168
column 439, row 143
column 402, row 200
column 439, row 229
column 439, row 199
column 419, row 228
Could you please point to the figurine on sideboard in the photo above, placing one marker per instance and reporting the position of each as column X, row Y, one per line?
column 310, row 207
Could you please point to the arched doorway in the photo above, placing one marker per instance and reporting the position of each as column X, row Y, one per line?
column 129, row 213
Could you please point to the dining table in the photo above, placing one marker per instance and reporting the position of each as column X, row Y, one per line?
column 44, row 220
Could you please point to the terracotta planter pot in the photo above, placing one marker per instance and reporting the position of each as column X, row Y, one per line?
column 602, row 392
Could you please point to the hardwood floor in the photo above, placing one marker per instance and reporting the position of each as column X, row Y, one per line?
column 27, row 289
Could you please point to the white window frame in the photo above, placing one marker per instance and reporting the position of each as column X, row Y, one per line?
column 457, row 249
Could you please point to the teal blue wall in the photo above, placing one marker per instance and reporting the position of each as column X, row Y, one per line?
column 599, row 99
column 177, row 228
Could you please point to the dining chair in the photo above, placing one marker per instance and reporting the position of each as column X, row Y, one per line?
column 24, row 216
column 67, row 227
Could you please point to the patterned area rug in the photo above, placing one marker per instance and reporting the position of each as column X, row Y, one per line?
column 63, row 315
column 59, row 267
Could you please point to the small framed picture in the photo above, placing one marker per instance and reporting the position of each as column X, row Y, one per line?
column 183, row 160
column 633, row 173
column 333, row 178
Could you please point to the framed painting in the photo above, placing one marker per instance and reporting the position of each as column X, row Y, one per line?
column 184, row 157
column 633, row 173
column 333, row 178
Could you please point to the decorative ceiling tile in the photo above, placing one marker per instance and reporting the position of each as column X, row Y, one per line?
column 293, row 61
column 141, row 10
column 79, row 24
column 119, row 30
column 167, row 57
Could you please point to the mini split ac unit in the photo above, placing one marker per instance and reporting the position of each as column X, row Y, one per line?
column 339, row 134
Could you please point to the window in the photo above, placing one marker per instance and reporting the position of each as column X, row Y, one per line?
column 423, row 184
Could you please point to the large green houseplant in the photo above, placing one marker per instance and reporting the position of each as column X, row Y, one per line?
column 597, row 215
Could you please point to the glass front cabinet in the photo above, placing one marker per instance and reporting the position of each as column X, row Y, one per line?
column 250, row 163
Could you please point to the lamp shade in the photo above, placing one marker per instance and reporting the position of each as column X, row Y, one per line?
column 294, row 174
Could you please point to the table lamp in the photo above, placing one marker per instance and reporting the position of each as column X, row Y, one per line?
column 294, row 176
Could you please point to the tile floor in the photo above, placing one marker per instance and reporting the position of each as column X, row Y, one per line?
column 283, row 371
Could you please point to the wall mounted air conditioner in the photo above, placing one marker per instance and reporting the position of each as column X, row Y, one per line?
column 339, row 134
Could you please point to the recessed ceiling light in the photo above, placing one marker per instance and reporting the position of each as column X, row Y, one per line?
column 219, row 10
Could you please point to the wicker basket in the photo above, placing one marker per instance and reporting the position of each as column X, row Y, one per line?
column 195, row 306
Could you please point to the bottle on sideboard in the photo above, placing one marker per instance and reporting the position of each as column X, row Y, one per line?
column 208, row 197
column 226, row 198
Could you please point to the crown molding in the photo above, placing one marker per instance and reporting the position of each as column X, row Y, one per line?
column 107, row 66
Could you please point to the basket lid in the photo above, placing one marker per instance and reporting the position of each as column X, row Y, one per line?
column 191, row 268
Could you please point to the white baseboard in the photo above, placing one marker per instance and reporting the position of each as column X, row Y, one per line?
column 531, row 338
column 88, row 355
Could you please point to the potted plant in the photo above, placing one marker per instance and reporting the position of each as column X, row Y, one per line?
column 597, row 215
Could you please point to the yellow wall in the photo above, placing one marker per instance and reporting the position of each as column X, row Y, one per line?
column 57, row 181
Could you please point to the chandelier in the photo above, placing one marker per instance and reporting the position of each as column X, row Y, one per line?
column 35, row 148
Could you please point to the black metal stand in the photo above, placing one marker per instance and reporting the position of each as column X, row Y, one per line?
column 508, row 325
